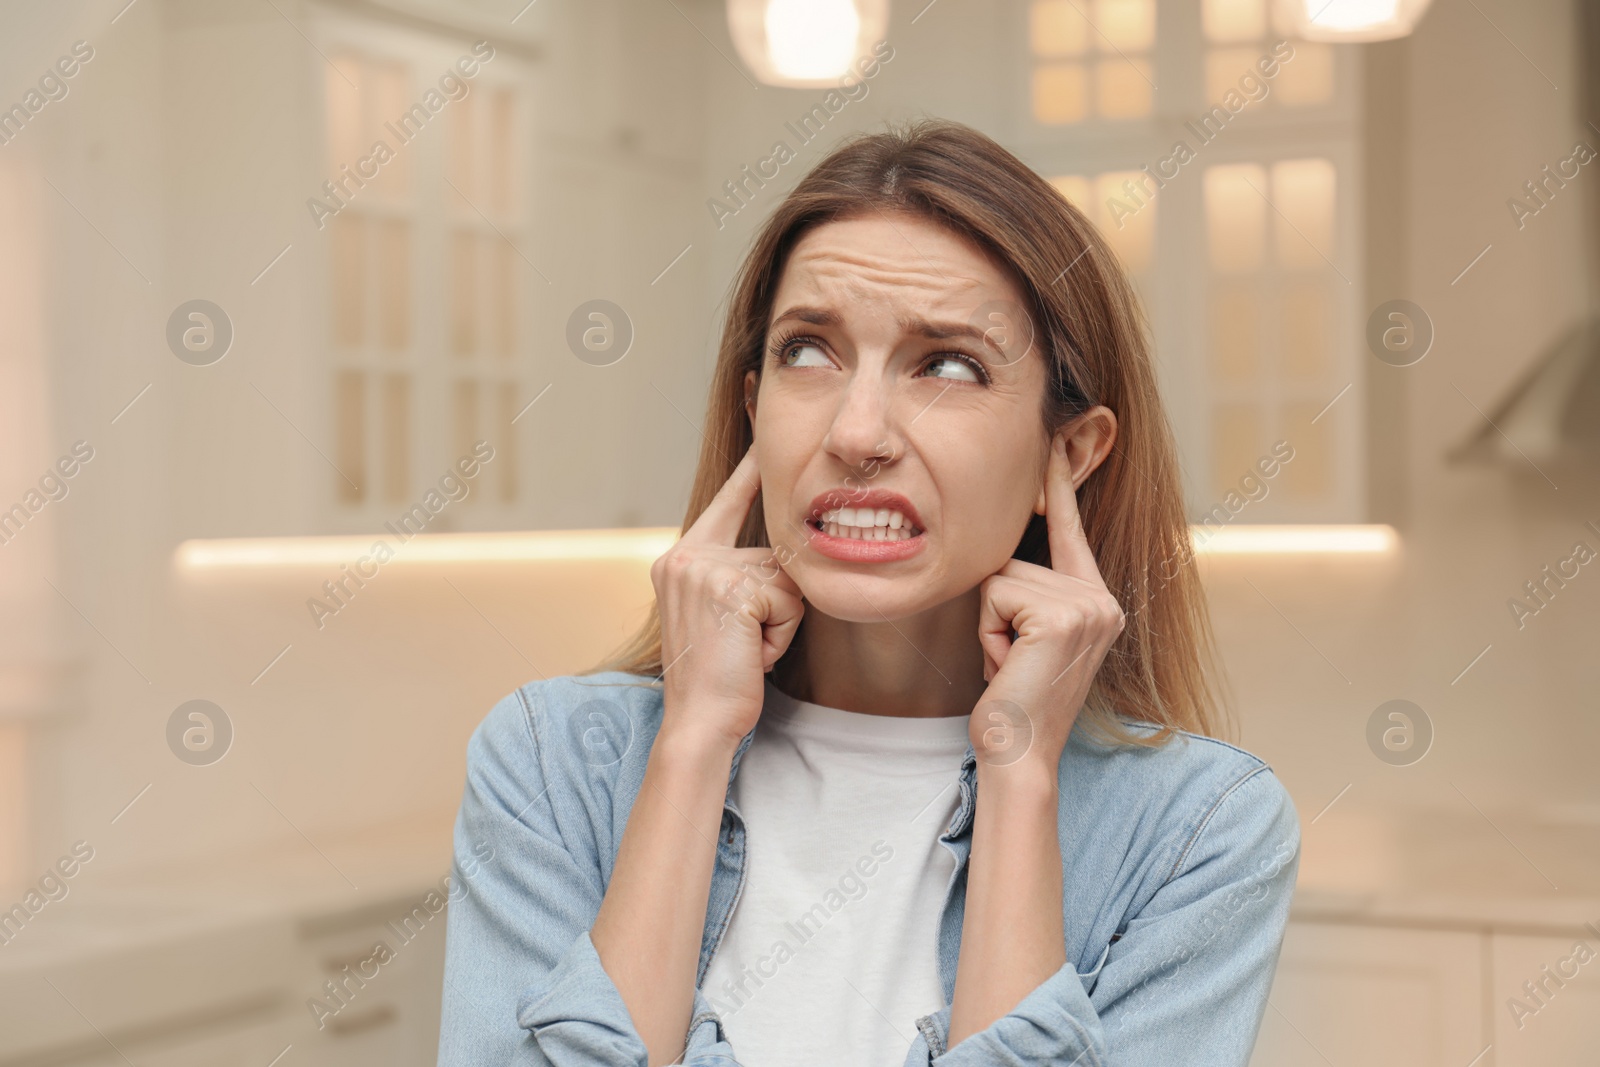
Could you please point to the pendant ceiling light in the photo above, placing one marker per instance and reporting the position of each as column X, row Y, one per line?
column 803, row 43
column 1348, row 20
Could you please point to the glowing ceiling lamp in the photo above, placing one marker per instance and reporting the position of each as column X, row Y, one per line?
column 1348, row 20
column 805, row 42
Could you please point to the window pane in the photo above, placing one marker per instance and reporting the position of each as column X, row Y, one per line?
column 1310, row 475
column 387, row 101
column 1308, row 77
column 1075, row 187
column 1307, row 329
column 396, row 436
column 394, row 284
column 463, row 292
column 1060, row 92
column 346, row 137
column 1235, row 331
column 1234, row 20
column 1224, row 68
column 1125, row 25
column 503, row 310
column 1236, row 435
column 500, row 162
column 466, row 403
column 1126, row 218
column 1302, row 191
column 505, row 453
column 1236, row 215
column 350, row 435
column 1123, row 88
column 347, row 262
column 1056, row 28
column 461, row 161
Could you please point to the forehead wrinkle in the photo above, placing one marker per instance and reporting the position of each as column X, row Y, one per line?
column 845, row 284
column 880, row 269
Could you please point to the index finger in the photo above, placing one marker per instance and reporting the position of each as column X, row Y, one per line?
column 723, row 518
column 1069, row 545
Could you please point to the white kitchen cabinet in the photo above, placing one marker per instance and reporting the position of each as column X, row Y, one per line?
column 236, row 995
column 251, row 1046
column 391, row 1019
column 1558, row 1024
column 1375, row 996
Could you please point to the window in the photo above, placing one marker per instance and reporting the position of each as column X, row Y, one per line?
column 1244, row 247
column 1126, row 222
column 1092, row 59
column 369, row 250
column 426, row 350
column 483, row 306
column 1270, row 310
column 1238, row 32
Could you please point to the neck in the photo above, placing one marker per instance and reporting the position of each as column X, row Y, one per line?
column 929, row 664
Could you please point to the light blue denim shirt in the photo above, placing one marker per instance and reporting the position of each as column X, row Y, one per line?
column 1178, row 863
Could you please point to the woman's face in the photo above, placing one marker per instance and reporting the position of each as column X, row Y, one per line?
column 899, row 362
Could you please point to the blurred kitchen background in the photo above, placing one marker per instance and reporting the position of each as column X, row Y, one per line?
column 221, row 382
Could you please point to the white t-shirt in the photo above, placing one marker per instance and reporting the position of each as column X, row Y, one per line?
column 831, row 953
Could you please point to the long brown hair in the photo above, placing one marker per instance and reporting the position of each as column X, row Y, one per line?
column 1089, row 328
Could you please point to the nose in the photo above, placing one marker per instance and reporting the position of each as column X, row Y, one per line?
column 865, row 426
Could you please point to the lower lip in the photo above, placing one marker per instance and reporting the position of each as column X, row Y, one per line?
column 852, row 550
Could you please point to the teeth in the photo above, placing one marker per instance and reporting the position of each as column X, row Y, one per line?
column 867, row 533
column 866, row 518
column 868, row 524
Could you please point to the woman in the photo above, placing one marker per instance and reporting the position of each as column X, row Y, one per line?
column 982, row 820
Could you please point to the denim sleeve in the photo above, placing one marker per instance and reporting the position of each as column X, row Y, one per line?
column 523, row 984
column 1187, row 980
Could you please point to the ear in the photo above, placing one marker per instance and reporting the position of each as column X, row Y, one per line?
column 1089, row 439
column 750, row 398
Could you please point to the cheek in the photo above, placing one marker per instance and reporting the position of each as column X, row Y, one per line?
column 985, row 496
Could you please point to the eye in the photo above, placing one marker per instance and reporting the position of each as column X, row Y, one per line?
column 784, row 347
column 967, row 369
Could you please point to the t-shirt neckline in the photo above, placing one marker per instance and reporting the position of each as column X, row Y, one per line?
column 785, row 710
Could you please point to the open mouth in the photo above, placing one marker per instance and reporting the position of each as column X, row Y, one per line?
column 865, row 524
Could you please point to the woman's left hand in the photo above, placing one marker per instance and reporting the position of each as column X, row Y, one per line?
column 1065, row 621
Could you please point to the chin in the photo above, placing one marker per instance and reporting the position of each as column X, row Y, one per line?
column 866, row 596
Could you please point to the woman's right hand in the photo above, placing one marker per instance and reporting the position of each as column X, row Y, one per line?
column 727, row 615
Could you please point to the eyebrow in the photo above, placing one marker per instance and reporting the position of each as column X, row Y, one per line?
column 938, row 331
